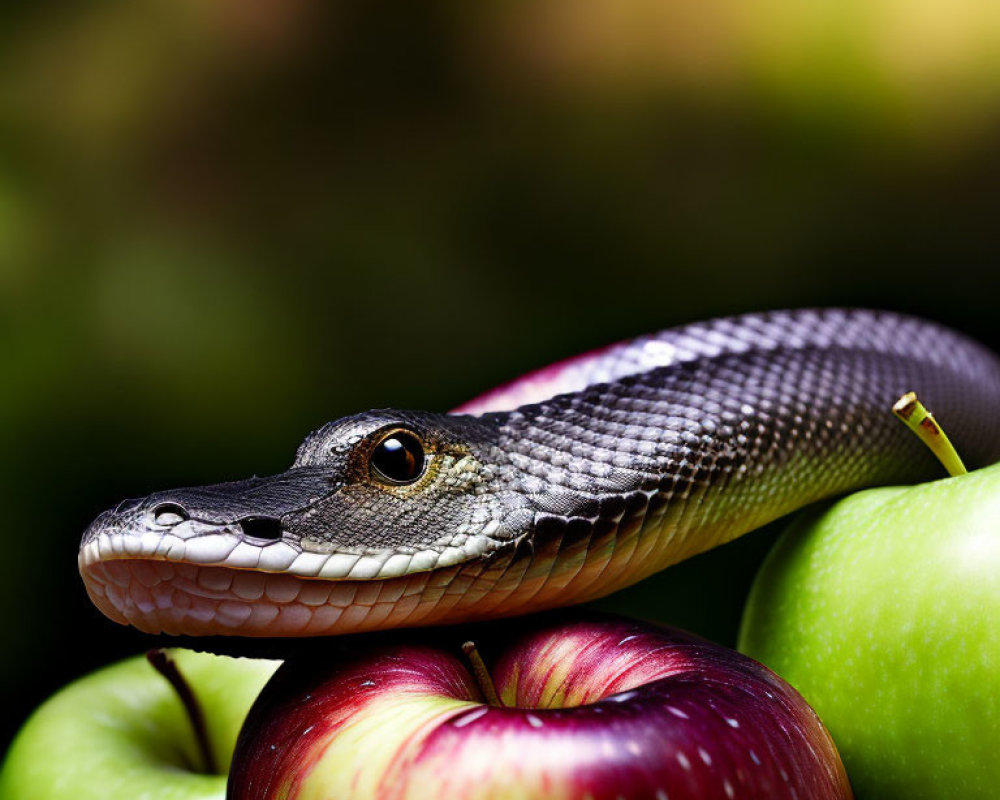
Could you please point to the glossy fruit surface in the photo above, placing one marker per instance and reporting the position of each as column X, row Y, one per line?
column 884, row 611
column 121, row 733
column 594, row 708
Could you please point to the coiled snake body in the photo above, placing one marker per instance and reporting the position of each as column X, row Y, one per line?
column 567, row 484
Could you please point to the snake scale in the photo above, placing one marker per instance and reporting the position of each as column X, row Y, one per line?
column 562, row 486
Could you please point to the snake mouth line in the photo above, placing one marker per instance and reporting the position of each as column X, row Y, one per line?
column 229, row 548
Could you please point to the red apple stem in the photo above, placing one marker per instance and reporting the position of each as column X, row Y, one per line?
column 482, row 675
column 167, row 667
column 918, row 419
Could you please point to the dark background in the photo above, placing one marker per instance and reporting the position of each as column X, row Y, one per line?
column 224, row 222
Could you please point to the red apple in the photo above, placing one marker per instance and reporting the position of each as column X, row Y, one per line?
column 599, row 708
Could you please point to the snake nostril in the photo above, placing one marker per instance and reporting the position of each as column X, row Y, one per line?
column 169, row 514
column 261, row 527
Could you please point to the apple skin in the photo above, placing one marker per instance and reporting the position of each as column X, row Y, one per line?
column 121, row 733
column 884, row 611
column 600, row 708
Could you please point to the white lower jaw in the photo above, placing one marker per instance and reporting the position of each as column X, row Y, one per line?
column 158, row 596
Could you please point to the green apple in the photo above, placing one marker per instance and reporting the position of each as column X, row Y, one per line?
column 883, row 610
column 122, row 732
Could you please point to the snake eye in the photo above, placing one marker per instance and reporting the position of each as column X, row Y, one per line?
column 167, row 514
column 399, row 458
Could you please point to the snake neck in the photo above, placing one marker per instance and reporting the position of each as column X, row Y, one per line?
column 679, row 459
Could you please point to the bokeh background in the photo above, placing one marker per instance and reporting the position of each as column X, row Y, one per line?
column 224, row 222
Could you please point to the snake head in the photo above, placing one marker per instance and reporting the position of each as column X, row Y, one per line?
column 383, row 501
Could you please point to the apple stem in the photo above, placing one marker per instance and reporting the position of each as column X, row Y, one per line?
column 919, row 420
column 167, row 667
column 482, row 675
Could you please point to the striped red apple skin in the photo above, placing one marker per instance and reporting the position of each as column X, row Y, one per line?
column 595, row 707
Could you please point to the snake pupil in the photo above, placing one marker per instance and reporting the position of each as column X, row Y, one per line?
column 398, row 458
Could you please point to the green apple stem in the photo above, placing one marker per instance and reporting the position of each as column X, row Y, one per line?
column 919, row 420
column 482, row 675
column 167, row 667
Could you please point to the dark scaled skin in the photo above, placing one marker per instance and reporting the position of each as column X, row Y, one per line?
column 614, row 466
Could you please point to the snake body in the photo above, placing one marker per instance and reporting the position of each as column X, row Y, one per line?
column 565, row 485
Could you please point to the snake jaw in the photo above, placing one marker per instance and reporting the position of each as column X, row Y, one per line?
column 225, row 546
column 178, row 598
column 192, row 586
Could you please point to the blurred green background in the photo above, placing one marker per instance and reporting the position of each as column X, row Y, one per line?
column 224, row 222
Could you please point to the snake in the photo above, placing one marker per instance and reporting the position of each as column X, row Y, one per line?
column 562, row 486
